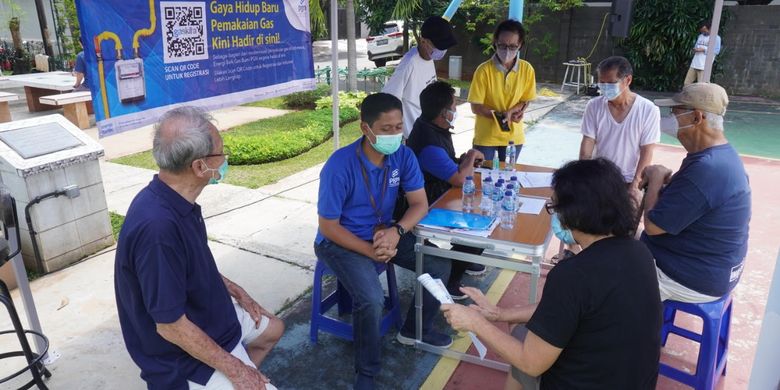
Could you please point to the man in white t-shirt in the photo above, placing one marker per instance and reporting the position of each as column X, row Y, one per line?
column 416, row 69
column 696, row 71
column 620, row 125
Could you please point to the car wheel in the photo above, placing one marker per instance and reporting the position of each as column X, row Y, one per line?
column 380, row 62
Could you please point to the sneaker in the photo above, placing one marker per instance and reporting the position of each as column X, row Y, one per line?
column 456, row 294
column 475, row 269
column 433, row 338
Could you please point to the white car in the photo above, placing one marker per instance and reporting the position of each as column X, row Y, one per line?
column 388, row 44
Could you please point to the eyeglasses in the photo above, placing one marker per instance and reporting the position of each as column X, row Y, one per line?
column 550, row 208
column 507, row 47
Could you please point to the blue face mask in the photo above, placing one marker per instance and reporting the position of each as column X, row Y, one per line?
column 563, row 234
column 222, row 170
column 611, row 90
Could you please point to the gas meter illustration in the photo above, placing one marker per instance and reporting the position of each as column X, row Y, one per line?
column 130, row 84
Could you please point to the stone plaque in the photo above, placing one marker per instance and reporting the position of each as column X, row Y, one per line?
column 38, row 140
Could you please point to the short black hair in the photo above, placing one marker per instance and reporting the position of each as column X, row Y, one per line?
column 592, row 197
column 376, row 104
column 510, row 25
column 705, row 23
column 622, row 65
column 434, row 98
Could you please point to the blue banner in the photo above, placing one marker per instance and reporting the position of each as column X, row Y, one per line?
column 145, row 57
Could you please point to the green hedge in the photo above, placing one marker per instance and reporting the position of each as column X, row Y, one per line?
column 306, row 100
column 264, row 148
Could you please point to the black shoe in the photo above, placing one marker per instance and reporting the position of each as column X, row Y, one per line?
column 432, row 338
column 475, row 269
column 456, row 294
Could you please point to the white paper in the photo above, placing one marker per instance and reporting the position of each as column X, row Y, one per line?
column 439, row 291
column 530, row 205
column 535, row 179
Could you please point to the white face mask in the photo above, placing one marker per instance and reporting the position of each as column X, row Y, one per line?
column 611, row 90
column 451, row 122
column 670, row 125
column 506, row 55
column 437, row 54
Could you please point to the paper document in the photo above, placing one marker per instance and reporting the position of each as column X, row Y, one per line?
column 535, row 179
column 529, row 205
column 439, row 291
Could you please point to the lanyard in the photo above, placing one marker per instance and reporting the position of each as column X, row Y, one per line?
column 377, row 210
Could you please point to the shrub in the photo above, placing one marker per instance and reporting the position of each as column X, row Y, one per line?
column 269, row 147
column 306, row 100
column 346, row 99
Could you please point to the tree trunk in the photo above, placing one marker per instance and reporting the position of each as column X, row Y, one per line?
column 351, row 49
column 16, row 36
column 406, row 35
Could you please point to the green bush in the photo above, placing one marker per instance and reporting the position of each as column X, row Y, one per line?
column 346, row 99
column 269, row 147
column 660, row 41
column 306, row 100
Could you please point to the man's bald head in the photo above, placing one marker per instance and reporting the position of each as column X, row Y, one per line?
column 182, row 136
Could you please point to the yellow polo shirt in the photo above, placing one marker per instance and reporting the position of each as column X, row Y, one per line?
column 499, row 90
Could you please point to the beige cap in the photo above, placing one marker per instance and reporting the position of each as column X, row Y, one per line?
column 701, row 96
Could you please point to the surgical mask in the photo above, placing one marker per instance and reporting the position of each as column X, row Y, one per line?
column 386, row 144
column 611, row 90
column 451, row 122
column 506, row 55
column 670, row 125
column 563, row 234
column 437, row 54
column 222, row 170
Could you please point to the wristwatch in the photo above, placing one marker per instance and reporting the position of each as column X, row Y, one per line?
column 400, row 229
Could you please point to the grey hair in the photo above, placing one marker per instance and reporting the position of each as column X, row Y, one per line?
column 616, row 62
column 715, row 121
column 182, row 136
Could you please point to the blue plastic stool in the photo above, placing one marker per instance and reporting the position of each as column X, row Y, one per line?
column 714, row 340
column 340, row 297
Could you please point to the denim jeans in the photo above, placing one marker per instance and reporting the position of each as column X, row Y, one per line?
column 358, row 275
column 488, row 151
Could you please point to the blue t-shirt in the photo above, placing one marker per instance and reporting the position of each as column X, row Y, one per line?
column 436, row 161
column 705, row 211
column 163, row 270
column 343, row 194
column 81, row 67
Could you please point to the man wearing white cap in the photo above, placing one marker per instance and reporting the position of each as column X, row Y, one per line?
column 696, row 221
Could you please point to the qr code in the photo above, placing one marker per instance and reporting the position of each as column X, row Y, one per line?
column 184, row 28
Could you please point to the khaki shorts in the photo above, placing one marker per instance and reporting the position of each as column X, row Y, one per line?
column 249, row 333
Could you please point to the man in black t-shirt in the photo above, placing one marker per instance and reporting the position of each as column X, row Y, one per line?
column 598, row 322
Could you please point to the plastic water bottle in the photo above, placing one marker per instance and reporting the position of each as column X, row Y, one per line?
column 495, row 161
column 511, row 188
column 511, row 157
column 469, row 191
column 516, row 183
column 498, row 195
column 507, row 211
column 486, row 205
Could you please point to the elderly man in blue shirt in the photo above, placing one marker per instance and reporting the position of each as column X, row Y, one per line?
column 184, row 324
column 358, row 189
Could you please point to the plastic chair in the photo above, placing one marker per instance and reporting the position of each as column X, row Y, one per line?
column 713, row 341
column 340, row 297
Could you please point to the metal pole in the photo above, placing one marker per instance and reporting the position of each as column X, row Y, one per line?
column 334, row 71
column 516, row 10
column 24, row 291
column 713, row 39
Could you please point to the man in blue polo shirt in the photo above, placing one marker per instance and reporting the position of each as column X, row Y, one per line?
column 696, row 221
column 184, row 324
column 431, row 142
column 358, row 188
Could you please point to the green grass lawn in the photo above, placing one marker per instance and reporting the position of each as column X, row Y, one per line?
column 277, row 102
column 116, row 223
column 254, row 176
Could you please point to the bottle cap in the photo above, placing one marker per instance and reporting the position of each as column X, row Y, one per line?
column 511, row 142
column 508, row 193
column 488, row 179
column 510, row 186
column 469, row 178
column 513, row 178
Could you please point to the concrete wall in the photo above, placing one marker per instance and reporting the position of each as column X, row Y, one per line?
column 751, row 47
